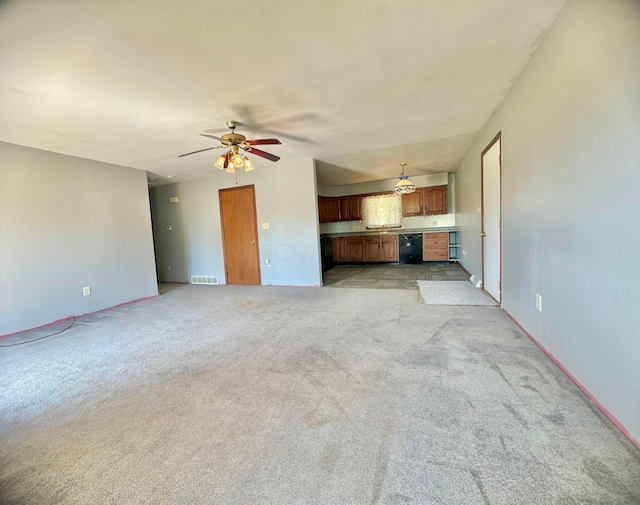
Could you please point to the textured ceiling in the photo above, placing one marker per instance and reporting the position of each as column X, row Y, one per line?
column 360, row 86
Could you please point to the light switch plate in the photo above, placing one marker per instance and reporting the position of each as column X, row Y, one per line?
column 265, row 226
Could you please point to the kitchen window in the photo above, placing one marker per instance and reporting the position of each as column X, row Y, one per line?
column 382, row 211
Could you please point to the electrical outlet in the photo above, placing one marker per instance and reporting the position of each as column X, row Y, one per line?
column 86, row 291
column 268, row 262
column 538, row 302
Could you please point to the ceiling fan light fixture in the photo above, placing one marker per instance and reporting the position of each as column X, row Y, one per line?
column 220, row 162
column 231, row 169
column 237, row 160
column 404, row 186
column 248, row 166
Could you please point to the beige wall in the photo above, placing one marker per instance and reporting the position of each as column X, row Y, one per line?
column 66, row 223
column 285, row 198
column 571, row 200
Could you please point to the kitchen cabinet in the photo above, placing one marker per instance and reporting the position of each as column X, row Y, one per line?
column 339, row 208
column 427, row 201
column 339, row 249
column 365, row 248
column 440, row 246
column 434, row 200
column 412, row 203
column 348, row 249
column 350, row 208
column 381, row 248
column 355, row 248
column 372, row 249
column 389, row 247
column 328, row 209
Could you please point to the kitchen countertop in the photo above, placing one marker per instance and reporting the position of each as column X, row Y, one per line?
column 392, row 231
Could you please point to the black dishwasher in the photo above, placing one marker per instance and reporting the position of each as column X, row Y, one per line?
column 410, row 248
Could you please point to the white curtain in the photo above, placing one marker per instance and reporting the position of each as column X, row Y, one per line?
column 382, row 211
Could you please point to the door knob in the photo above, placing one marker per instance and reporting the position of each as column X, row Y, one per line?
column 253, row 241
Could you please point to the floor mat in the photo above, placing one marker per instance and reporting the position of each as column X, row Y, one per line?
column 452, row 293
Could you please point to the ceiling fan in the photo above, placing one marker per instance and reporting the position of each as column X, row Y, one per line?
column 233, row 158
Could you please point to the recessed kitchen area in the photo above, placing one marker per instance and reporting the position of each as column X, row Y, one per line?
column 373, row 236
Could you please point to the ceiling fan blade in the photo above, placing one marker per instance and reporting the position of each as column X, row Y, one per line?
column 263, row 142
column 199, row 151
column 212, row 137
column 262, row 154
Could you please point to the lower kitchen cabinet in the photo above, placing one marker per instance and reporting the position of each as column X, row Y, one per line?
column 440, row 246
column 365, row 248
column 339, row 249
column 348, row 249
column 372, row 249
column 355, row 248
column 389, row 247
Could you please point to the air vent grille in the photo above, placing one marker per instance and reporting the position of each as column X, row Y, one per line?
column 205, row 279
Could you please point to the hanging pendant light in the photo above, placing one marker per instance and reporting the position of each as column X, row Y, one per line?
column 404, row 186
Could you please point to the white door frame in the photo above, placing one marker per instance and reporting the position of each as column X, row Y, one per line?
column 495, row 234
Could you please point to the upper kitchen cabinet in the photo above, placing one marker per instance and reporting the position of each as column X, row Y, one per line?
column 341, row 208
column 412, row 203
column 425, row 201
column 435, row 200
column 328, row 209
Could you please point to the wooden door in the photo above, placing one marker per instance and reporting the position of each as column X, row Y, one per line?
column 412, row 203
column 491, row 168
column 240, row 235
column 435, row 200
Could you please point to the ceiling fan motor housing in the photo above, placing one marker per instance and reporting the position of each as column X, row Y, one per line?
column 232, row 139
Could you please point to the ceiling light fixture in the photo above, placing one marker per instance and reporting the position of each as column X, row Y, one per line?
column 404, row 186
column 232, row 159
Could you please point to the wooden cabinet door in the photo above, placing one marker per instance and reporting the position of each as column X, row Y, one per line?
column 349, row 208
column 355, row 248
column 435, row 200
column 389, row 247
column 339, row 249
column 332, row 209
column 355, row 204
column 322, row 210
column 345, row 214
column 412, row 204
column 372, row 251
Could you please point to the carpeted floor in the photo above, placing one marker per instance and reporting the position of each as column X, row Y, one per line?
column 274, row 395
column 391, row 276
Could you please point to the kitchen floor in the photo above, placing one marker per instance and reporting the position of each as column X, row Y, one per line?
column 386, row 276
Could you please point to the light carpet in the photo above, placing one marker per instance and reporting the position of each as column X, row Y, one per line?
column 452, row 293
column 265, row 395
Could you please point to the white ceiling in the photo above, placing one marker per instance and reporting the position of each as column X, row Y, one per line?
column 359, row 85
